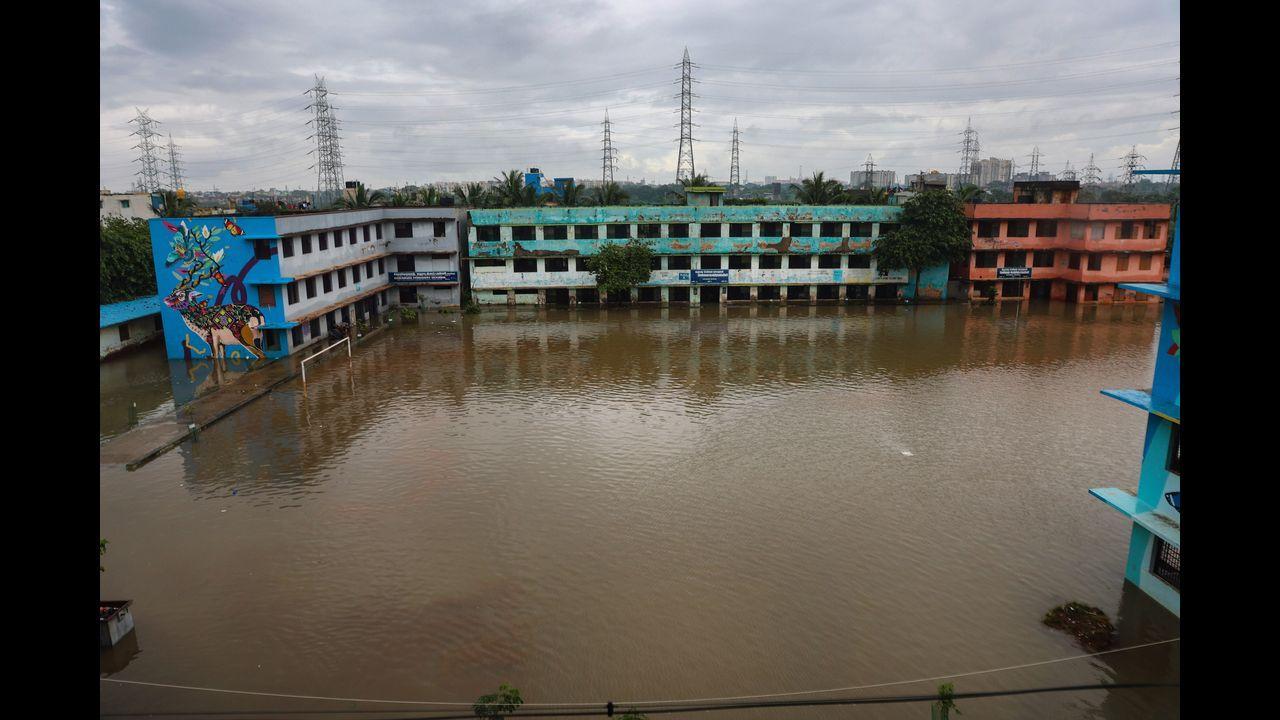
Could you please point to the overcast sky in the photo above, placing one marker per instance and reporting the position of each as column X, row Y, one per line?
column 431, row 91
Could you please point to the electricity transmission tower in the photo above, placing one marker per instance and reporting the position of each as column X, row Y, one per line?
column 1035, row 162
column 733, row 160
column 1068, row 173
column 1132, row 162
column 608, row 159
column 150, row 171
column 968, row 154
column 684, row 167
column 328, row 150
column 175, row 166
column 1092, row 173
column 869, row 167
column 1177, row 159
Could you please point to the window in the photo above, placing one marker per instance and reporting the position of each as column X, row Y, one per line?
column 770, row 262
column 984, row 289
column 1077, row 230
column 1090, row 292
column 437, row 227
column 655, row 262
column 830, row 229
column 1166, row 563
column 562, row 264
column 324, row 240
column 296, row 335
column 985, row 259
column 1073, row 261
column 368, row 270
column 351, row 236
column 739, row 230
column 261, row 250
column 378, row 229
column 771, row 229
column 311, row 287
column 710, row 262
column 382, row 267
column 490, row 263
column 124, row 204
column 124, row 331
column 366, row 233
column 292, row 292
column 526, row 265
column 1144, row 261
column 1126, row 230
column 862, row 229
column 266, row 296
column 986, row 228
column 314, row 327
column 619, row 231
column 1151, row 229
column 408, row 295
column 769, row 292
column 306, row 244
column 1122, row 263
column 649, row 230
column 342, row 277
column 799, row 261
column 679, row 262
column 521, row 233
column 272, row 339
column 1097, row 231
column 828, row 262
column 286, row 246
column 488, row 233
column 710, row 230
column 678, row 230
column 801, row 229
column 1175, row 449
column 1019, row 228
column 739, row 262
column 337, row 240
column 1042, row 258
column 1047, row 228
column 585, row 232
column 404, row 263
column 886, row 228
column 160, row 323
column 326, row 282
column 555, row 232
column 862, row 262
column 1095, row 261
column 582, row 264
column 1016, row 258
column 405, row 230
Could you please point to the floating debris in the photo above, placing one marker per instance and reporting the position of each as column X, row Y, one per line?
column 1089, row 625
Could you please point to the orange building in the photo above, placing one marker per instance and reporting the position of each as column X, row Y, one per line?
column 1046, row 245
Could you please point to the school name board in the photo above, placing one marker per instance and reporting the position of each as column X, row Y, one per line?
column 1013, row 273
column 425, row 276
column 710, row 277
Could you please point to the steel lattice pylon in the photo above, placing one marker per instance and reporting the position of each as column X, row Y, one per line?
column 150, row 171
column 328, row 166
column 733, row 159
column 684, row 166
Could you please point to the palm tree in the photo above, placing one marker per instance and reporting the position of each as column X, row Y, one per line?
column 970, row 193
column 472, row 195
column 573, row 195
column 695, row 181
column 177, row 205
column 362, row 198
column 609, row 194
column 819, row 190
column 511, row 189
column 398, row 198
column 429, row 196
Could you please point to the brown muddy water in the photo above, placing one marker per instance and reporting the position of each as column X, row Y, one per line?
column 635, row 504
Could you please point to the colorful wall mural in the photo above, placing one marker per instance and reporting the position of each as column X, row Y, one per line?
column 203, row 273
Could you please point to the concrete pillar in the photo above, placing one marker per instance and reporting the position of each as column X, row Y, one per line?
column 542, row 296
column 573, row 297
column 842, row 292
column 755, row 292
column 813, row 294
column 782, row 293
column 665, row 293
column 724, row 294
column 635, row 295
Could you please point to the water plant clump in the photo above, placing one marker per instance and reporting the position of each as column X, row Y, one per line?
column 408, row 313
column 1087, row 624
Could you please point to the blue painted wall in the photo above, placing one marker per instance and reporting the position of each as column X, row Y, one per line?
column 206, row 277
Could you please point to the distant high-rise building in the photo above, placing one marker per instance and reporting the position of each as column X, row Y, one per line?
column 879, row 178
column 993, row 170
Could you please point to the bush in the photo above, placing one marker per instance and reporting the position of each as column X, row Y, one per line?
column 126, row 270
column 621, row 267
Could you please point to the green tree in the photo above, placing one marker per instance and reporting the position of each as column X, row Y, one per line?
column 698, row 180
column 126, row 269
column 573, row 195
column 399, row 198
column 178, row 204
column 429, row 196
column 510, row 191
column 945, row 703
column 362, row 198
column 819, row 190
column 621, row 267
column 472, row 195
column 872, row 196
column 970, row 193
column 933, row 230
column 498, row 705
column 610, row 194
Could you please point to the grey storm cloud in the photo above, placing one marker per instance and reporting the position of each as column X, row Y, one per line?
column 444, row 91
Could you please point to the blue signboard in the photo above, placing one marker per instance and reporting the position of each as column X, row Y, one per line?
column 710, row 277
column 425, row 276
column 1013, row 273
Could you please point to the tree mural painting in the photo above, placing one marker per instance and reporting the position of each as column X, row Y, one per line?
column 194, row 250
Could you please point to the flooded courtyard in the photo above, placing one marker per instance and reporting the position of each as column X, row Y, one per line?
column 645, row 503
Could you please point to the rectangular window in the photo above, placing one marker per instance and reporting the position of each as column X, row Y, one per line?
column 326, row 282
column 771, row 229
column 862, row 229
column 555, row 232
column 1019, row 228
column 710, row 262
column 1097, row 231
column 488, row 233
column 311, row 287
column 1151, row 229
column 679, row 262
column 286, row 246
column 1046, row 228
column 437, row 226
column 770, row 262
column 709, row 230
column 985, row 259
column 1015, row 258
column 272, row 339
column 296, row 335
column 314, row 327
column 799, row 261
column 830, row 230
column 1144, row 261
column 582, row 264
column 266, row 296
column 526, row 265
column 586, row 232
column 1073, row 261
column 1095, row 261
column 342, row 277
column 739, row 230
column 655, row 262
column 306, row 244
column 861, row 262
column 649, row 230
column 1166, row 563
column 382, row 266
column 561, row 264
column 739, row 262
column 351, row 236
column 324, row 240
column 619, row 231
column 522, row 233
column 366, row 234
column 405, row 263
column 828, row 262
column 261, row 250
column 337, row 240
column 404, row 229
column 1122, row 263
column 1077, row 230
column 1043, row 258
column 988, row 228
column 368, row 270
column 886, row 228
column 1090, row 292
column 491, row 263
column 292, row 292
column 801, row 229
column 124, row 204
column 678, row 230
column 124, row 331
column 1126, row 230
column 408, row 295
column 1175, row 449
column 378, row 229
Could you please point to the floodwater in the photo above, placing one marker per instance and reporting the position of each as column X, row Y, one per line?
column 636, row 504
